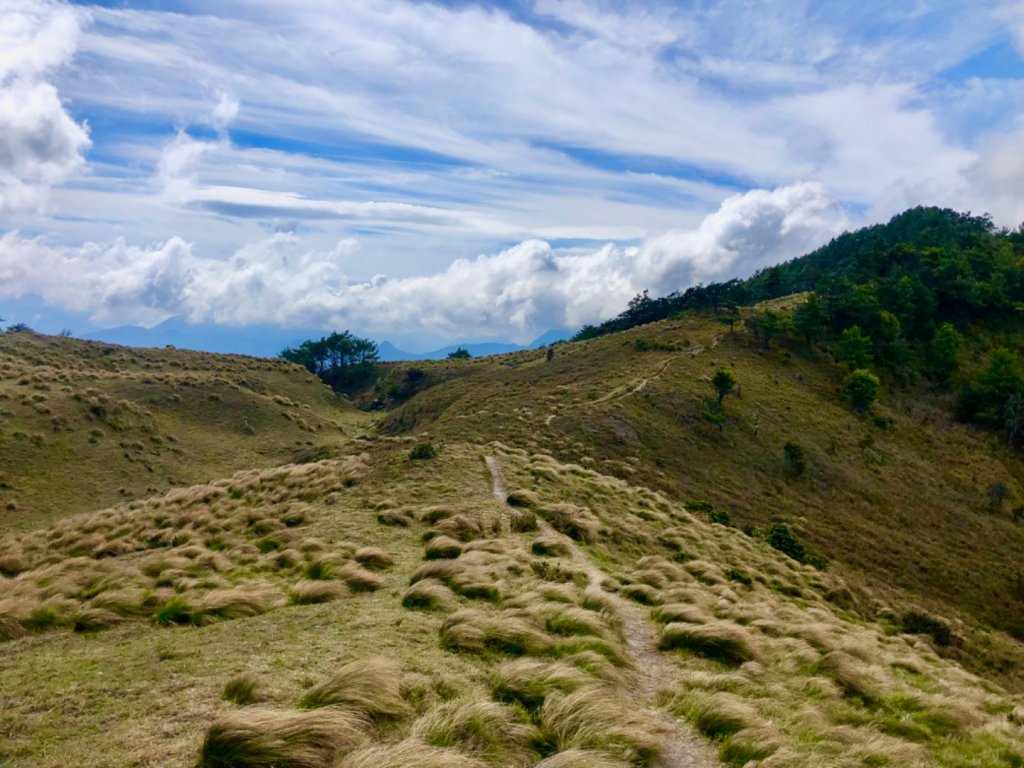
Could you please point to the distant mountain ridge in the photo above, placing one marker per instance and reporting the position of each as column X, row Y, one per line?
column 268, row 341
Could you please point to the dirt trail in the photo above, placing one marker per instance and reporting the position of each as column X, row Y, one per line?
column 681, row 749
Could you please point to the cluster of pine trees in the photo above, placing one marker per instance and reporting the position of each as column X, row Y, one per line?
column 341, row 360
column 900, row 299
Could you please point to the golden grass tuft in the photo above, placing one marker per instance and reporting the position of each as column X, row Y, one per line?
column 360, row 579
column 242, row 689
column 644, row 594
column 374, row 558
column 442, row 548
column 749, row 745
column 466, row 528
column 529, row 682
column 852, row 676
column 410, row 753
column 679, row 612
column 473, row 631
column 268, row 738
column 429, row 595
column 401, row 517
column 10, row 627
column 437, row 512
column 522, row 521
column 238, row 602
column 488, row 730
column 91, row 619
column 371, row 686
column 574, row 521
column 720, row 640
column 600, row 717
column 522, row 498
column 550, row 546
column 308, row 592
column 718, row 715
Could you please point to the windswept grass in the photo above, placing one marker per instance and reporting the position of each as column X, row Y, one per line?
column 493, row 732
column 268, row 738
column 408, row 754
column 722, row 641
column 242, row 689
column 599, row 717
column 372, row 687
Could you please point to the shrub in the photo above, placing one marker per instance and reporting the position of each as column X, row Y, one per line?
column 861, row 389
column 266, row 738
column 918, row 623
column 240, row 689
column 724, row 382
column 370, row 686
column 793, row 459
column 719, row 516
column 422, row 452
column 782, row 539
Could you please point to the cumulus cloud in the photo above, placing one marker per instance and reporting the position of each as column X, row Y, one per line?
column 40, row 144
column 517, row 292
column 995, row 180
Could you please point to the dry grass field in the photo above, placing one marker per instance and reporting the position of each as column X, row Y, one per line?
column 84, row 425
column 896, row 500
column 326, row 600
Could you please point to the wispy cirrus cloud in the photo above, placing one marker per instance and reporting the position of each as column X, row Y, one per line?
column 432, row 132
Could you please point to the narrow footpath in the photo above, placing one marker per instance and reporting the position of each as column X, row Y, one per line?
column 681, row 749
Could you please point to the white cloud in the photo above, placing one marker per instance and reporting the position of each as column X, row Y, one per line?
column 994, row 182
column 517, row 292
column 1013, row 12
column 225, row 112
column 40, row 144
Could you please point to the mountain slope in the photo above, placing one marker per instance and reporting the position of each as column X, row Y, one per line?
column 896, row 500
column 86, row 424
column 404, row 616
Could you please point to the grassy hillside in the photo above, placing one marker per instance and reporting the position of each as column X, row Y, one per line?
column 897, row 499
column 574, row 561
column 377, row 611
column 84, row 424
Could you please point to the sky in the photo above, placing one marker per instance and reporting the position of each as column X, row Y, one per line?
column 465, row 171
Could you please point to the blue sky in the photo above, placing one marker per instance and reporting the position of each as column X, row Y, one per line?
column 466, row 170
